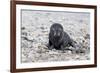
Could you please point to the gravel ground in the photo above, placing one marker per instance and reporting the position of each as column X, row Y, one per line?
column 35, row 26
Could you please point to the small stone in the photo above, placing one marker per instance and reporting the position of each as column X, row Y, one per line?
column 42, row 28
column 23, row 28
column 87, row 36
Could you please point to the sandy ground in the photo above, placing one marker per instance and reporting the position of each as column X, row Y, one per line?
column 35, row 26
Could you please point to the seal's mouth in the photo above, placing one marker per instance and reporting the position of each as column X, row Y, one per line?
column 57, row 38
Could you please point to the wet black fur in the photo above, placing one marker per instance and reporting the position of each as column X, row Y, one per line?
column 59, row 39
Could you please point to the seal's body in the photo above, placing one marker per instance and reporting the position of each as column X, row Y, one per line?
column 59, row 39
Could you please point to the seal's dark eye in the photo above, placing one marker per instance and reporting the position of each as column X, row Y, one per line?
column 53, row 29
